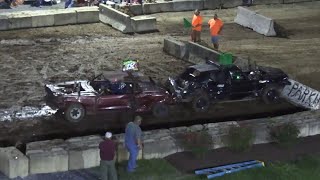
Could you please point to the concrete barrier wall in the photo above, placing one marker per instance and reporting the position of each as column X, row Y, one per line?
column 187, row 5
column 175, row 48
column 231, row 3
column 125, row 23
column 83, row 152
column 115, row 18
column 13, row 163
column 151, row 8
column 189, row 51
column 199, row 53
column 257, row 22
column 144, row 24
column 261, row 2
column 211, row 4
column 46, row 18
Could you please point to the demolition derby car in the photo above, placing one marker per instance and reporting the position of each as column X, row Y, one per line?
column 108, row 91
column 204, row 84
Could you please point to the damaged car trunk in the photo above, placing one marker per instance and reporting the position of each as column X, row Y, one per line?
column 119, row 91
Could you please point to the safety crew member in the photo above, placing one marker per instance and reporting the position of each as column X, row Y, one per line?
column 216, row 26
column 196, row 26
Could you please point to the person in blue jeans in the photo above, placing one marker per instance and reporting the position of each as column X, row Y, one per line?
column 133, row 142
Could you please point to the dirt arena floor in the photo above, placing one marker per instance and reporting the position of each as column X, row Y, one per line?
column 32, row 57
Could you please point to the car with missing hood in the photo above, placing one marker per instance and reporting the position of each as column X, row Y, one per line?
column 201, row 85
column 108, row 91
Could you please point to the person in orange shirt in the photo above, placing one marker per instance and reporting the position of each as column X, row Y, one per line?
column 216, row 26
column 196, row 26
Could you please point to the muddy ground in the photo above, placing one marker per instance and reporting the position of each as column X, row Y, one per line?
column 32, row 57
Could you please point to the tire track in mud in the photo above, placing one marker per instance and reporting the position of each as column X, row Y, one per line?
column 32, row 63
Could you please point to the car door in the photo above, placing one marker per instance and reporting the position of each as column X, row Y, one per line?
column 240, row 84
column 115, row 100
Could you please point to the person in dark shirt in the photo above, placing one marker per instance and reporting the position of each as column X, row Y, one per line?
column 107, row 153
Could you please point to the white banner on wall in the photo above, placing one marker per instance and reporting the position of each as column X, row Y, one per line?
column 301, row 95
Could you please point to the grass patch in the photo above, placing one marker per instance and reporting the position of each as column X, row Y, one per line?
column 306, row 168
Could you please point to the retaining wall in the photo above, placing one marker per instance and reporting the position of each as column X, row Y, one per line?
column 257, row 22
column 45, row 18
column 124, row 22
column 83, row 152
column 196, row 53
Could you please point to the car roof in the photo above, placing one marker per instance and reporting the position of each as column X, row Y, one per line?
column 115, row 76
column 205, row 67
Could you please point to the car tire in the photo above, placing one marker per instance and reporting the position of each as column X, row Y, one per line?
column 75, row 112
column 160, row 110
column 200, row 102
column 271, row 94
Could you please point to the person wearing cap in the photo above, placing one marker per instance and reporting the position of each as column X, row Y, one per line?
column 216, row 26
column 107, row 154
column 133, row 142
column 196, row 26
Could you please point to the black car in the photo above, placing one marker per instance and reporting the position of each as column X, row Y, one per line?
column 203, row 84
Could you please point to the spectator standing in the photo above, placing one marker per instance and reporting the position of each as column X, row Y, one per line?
column 216, row 26
column 196, row 26
column 107, row 153
column 133, row 142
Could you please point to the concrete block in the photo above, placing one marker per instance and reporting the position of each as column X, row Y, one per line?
column 144, row 24
column 199, row 53
column 65, row 17
column 84, row 141
column 231, row 3
column 304, row 128
column 185, row 5
column 136, row 9
column 244, row 17
column 4, row 23
column 301, row 95
column 257, row 22
column 156, row 134
column 84, row 152
column 55, row 160
column 181, row 129
column 13, row 163
column 45, row 145
column 123, row 155
column 42, row 18
column 198, row 127
column 159, row 149
column 261, row 134
column 83, row 158
column 19, row 21
column 314, row 128
column 175, row 48
column 211, row 4
column 261, row 2
column 263, row 25
column 87, row 14
column 151, row 8
column 221, row 128
column 115, row 18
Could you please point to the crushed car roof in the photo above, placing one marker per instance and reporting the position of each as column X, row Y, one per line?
column 117, row 75
column 204, row 67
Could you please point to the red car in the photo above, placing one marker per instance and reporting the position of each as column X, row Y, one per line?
column 108, row 91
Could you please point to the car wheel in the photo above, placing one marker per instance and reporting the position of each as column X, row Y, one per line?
column 160, row 110
column 75, row 112
column 271, row 94
column 200, row 102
